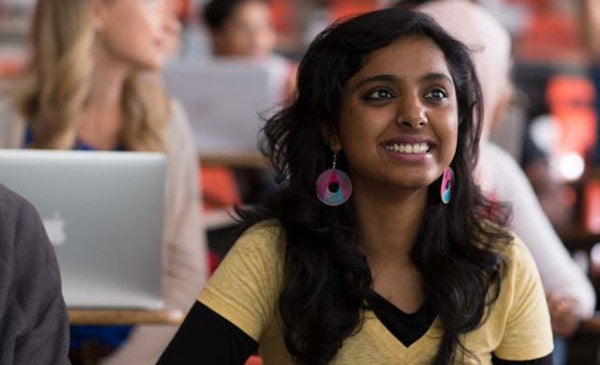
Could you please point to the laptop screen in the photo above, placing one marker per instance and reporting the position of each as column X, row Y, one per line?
column 104, row 214
column 226, row 100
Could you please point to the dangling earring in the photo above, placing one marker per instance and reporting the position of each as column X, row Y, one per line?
column 447, row 185
column 333, row 186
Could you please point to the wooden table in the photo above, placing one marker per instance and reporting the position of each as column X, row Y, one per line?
column 124, row 317
column 239, row 159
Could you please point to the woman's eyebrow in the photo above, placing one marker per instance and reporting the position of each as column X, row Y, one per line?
column 437, row 76
column 384, row 77
column 433, row 76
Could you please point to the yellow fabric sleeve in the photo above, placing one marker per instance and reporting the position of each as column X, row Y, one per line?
column 245, row 288
column 528, row 334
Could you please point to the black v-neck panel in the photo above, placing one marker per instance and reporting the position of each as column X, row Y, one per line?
column 407, row 328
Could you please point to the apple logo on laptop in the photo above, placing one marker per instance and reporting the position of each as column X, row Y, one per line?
column 55, row 229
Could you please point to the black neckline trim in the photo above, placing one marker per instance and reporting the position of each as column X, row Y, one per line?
column 406, row 327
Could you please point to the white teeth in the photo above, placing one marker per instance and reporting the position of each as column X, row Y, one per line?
column 408, row 147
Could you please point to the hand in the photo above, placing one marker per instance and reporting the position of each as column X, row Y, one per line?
column 563, row 314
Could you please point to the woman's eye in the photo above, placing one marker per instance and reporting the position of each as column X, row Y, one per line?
column 379, row 94
column 436, row 94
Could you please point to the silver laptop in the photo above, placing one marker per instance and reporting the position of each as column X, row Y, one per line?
column 225, row 100
column 103, row 212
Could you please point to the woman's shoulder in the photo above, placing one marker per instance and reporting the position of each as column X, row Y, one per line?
column 267, row 226
column 179, row 138
column 255, row 259
column 518, row 271
column 178, row 113
column 517, row 258
column 264, row 238
column 178, row 122
column 509, row 245
column 261, row 245
column 520, row 258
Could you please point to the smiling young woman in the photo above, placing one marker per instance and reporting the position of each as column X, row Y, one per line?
column 408, row 265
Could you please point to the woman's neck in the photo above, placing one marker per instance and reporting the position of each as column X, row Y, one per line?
column 389, row 221
column 102, row 117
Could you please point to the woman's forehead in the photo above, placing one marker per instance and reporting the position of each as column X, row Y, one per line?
column 407, row 58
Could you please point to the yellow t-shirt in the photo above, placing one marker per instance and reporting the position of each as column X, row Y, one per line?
column 246, row 286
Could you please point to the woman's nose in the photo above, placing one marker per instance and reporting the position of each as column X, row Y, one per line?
column 412, row 123
column 411, row 114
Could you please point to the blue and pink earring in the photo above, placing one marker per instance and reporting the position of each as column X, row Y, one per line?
column 333, row 186
column 447, row 185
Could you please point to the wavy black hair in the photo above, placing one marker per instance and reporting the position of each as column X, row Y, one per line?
column 326, row 277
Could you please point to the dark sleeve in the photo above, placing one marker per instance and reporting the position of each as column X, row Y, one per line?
column 37, row 290
column 546, row 360
column 207, row 338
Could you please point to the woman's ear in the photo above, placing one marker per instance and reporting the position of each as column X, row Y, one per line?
column 330, row 136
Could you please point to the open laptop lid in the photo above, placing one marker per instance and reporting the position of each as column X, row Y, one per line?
column 104, row 213
column 225, row 100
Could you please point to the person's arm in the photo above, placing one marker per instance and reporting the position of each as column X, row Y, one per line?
column 224, row 344
column 44, row 331
column 527, row 334
column 237, row 305
column 563, row 314
column 186, row 263
column 559, row 273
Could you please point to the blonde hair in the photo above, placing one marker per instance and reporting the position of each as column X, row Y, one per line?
column 56, row 86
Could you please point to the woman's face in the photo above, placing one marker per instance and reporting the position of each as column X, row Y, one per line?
column 138, row 33
column 247, row 33
column 399, row 116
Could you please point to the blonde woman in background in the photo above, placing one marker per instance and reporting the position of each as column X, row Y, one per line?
column 92, row 84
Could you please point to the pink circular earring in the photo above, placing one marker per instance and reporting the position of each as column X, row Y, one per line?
column 447, row 185
column 333, row 186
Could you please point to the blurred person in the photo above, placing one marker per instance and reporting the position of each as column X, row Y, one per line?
column 92, row 84
column 34, row 327
column 240, row 28
column 569, row 293
column 244, row 29
column 366, row 256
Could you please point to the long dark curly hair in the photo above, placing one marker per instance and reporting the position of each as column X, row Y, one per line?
column 326, row 277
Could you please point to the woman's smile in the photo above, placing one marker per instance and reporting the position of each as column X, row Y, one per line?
column 409, row 149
